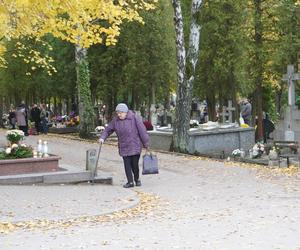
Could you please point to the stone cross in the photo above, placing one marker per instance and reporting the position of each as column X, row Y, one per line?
column 224, row 113
column 230, row 110
column 290, row 77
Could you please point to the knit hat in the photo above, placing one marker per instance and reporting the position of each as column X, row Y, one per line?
column 122, row 107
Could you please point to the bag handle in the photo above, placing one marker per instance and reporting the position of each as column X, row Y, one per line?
column 148, row 152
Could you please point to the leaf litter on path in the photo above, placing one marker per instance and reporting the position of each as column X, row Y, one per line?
column 149, row 205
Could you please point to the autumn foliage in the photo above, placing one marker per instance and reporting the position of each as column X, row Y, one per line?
column 82, row 22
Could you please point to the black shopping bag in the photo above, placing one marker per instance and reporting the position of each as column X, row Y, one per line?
column 150, row 164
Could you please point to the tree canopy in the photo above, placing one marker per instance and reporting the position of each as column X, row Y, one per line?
column 82, row 22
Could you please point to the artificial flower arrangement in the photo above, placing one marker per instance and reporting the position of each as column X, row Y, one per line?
column 74, row 121
column 194, row 123
column 273, row 153
column 236, row 153
column 65, row 121
column 258, row 149
column 244, row 125
column 14, row 136
column 16, row 150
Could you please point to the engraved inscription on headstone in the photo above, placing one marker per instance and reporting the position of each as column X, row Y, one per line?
column 91, row 160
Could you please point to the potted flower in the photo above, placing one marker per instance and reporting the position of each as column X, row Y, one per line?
column 236, row 153
column 16, row 151
column 257, row 150
column 14, row 136
column 273, row 154
column 194, row 123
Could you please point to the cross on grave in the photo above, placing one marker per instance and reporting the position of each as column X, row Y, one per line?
column 224, row 114
column 290, row 77
column 230, row 110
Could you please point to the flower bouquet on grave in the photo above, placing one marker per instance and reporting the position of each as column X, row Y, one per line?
column 16, row 151
column 236, row 153
column 257, row 150
column 273, row 153
column 14, row 136
column 72, row 122
column 194, row 124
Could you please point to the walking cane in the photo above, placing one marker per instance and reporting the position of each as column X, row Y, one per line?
column 96, row 165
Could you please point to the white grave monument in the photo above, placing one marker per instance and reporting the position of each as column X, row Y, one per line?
column 227, row 112
column 153, row 116
column 288, row 128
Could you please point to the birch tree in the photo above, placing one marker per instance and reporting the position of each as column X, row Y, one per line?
column 186, row 66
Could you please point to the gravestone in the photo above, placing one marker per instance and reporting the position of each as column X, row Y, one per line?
column 230, row 110
column 209, row 142
column 161, row 116
column 162, row 119
column 171, row 116
column 224, row 114
column 153, row 115
column 227, row 113
column 290, row 77
column 169, row 120
column 195, row 111
column 289, row 126
column 91, row 161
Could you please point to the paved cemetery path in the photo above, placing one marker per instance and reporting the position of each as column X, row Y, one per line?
column 193, row 203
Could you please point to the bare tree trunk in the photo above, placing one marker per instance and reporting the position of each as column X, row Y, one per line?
column 148, row 108
column 153, row 99
column 55, row 105
column 234, row 95
column 259, row 66
column 185, row 80
column 1, row 110
column 278, row 100
column 211, row 107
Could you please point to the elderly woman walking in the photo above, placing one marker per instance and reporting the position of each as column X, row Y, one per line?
column 132, row 137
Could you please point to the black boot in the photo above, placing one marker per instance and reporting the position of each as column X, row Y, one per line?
column 138, row 183
column 128, row 185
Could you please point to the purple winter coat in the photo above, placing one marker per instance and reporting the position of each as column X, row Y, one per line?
column 131, row 132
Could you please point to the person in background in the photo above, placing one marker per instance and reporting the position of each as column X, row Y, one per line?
column 21, row 117
column 246, row 110
column 268, row 126
column 35, row 117
column 132, row 137
column 12, row 117
column 44, row 119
